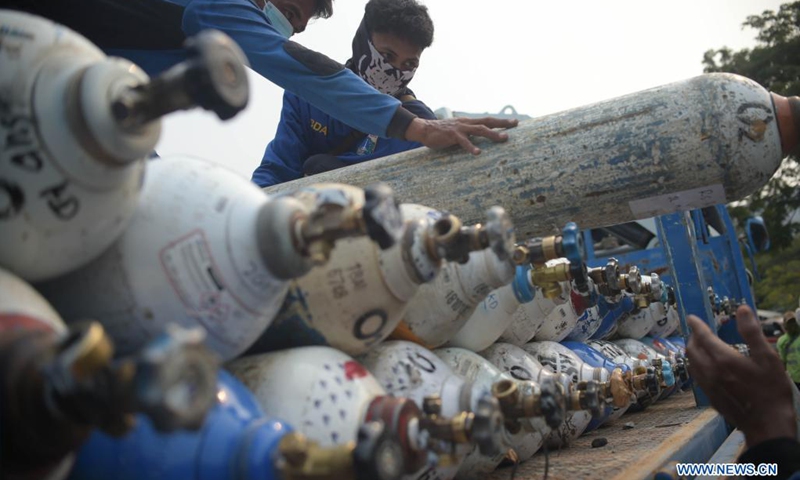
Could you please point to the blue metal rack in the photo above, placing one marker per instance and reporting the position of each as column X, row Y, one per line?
column 695, row 250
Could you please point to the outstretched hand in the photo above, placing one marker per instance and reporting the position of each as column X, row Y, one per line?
column 456, row 131
column 754, row 393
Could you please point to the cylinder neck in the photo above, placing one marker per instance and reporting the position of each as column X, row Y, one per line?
column 787, row 111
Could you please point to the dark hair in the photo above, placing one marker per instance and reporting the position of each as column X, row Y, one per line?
column 406, row 19
column 323, row 9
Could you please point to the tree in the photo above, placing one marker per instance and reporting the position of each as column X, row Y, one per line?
column 775, row 64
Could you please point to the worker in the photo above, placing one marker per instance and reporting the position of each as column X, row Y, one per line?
column 789, row 346
column 150, row 33
column 752, row 392
column 386, row 53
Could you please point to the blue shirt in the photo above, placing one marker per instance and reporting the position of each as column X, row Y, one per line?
column 336, row 91
column 305, row 130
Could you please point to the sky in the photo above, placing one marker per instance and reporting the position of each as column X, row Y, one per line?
column 539, row 56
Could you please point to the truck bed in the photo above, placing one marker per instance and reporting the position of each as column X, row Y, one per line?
column 673, row 430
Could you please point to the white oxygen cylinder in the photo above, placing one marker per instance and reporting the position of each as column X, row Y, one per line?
column 23, row 307
column 472, row 367
column 409, row 370
column 666, row 319
column 206, row 247
column 495, row 313
column 75, row 128
column 359, row 297
column 639, row 323
column 440, row 308
column 61, row 204
column 321, row 392
column 522, row 366
column 616, row 354
column 327, row 395
column 528, row 319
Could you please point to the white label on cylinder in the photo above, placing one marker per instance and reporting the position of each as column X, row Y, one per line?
column 678, row 201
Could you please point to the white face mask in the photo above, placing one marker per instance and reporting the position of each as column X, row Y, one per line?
column 278, row 20
column 381, row 74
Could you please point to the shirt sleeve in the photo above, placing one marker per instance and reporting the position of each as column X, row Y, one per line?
column 284, row 156
column 785, row 452
column 313, row 77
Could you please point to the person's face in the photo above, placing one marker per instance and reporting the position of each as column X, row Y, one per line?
column 298, row 12
column 398, row 52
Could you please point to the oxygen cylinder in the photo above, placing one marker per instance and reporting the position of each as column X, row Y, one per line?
column 581, row 403
column 491, row 318
column 562, row 360
column 663, row 347
column 236, row 442
column 639, row 350
column 646, row 393
column 359, row 298
column 669, row 320
column 56, row 385
column 409, row 370
column 593, row 358
column 207, row 247
column 440, row 308
column 638, row 156
column 75, row 127
column 496, row 313
column 328, row 396
column 642, row 321
column 570, row 311
column 611, row 311
column 524, row 404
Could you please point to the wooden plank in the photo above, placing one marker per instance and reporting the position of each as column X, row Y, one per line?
column 671, row 430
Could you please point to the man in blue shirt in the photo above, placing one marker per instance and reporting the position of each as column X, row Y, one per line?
column 149, row 33
column 386, row 53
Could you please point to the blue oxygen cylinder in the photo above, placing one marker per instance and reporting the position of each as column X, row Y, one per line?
column 237, row 442
column 610, row 313
column 593, row 358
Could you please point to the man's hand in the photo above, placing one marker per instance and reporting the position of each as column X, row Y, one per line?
column 753, row 392
column 456, row 131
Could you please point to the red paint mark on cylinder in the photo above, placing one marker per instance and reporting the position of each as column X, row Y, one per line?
column 353, row 369
column 13, row 321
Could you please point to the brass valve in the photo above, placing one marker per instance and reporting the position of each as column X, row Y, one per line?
column 301, row 458
column 549, row 278
column 618, row 390
column 523, row 399
column 588, row 396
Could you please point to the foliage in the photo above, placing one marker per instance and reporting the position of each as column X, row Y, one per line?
column 779, row 288
column 775, row 64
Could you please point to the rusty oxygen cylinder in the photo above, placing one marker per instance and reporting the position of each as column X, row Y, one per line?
column 440, row 308
column 409, row 370
column 582, row 403
column 328, row 396
column 58, row 384
column 75, row 128
column 207, row 247
column 707, row 140
column 531, row 409
column 359, row 297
